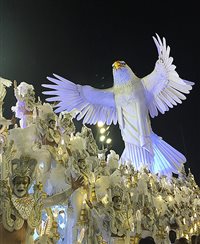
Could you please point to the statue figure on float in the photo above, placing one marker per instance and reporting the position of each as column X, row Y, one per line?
column 130, row 102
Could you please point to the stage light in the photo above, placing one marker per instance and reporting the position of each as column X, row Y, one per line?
column 108, row 141
column 102, row 138
column 102, row 130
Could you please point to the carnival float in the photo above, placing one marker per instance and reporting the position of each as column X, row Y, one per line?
column 58, row 186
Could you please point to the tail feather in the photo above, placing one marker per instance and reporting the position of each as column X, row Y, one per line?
column 166, row 158
column 136, row 155
column 172, row 155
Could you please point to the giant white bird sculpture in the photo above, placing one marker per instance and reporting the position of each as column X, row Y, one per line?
column 130, row 102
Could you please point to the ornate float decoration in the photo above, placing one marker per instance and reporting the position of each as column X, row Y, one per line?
column 58, row 186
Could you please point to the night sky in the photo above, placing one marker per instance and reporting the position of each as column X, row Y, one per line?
column 80, row 40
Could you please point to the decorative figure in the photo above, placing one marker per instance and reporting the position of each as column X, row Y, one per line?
column 121, row 217
column 20, row 212
column 67, row 127
column 113, row 217
column 90, row 143
column 113, row 159
column 25, row 95
column 78, row 167
column 47, row 124
column 130, row 102
column 102, row 169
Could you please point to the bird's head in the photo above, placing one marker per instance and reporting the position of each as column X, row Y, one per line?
column 122, row 73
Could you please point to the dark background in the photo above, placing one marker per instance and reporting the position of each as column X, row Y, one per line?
column 80, row 40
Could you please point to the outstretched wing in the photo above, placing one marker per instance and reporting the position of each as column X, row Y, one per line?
column 90, row 103
column 164, row 88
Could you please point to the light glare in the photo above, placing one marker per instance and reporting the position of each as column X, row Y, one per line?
column 108, row 141
column 102, row 138
column 102, row 130
column 100, row 124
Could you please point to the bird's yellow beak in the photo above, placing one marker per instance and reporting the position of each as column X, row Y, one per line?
column 117, row 65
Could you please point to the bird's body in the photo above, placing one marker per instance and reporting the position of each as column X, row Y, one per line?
column 134, row 123
column 132, row 112
column 130, row 102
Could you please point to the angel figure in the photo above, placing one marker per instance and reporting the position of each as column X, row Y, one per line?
column 130, row 102
column 20, row 211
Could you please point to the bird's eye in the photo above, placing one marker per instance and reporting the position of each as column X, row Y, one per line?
column 122, row 62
